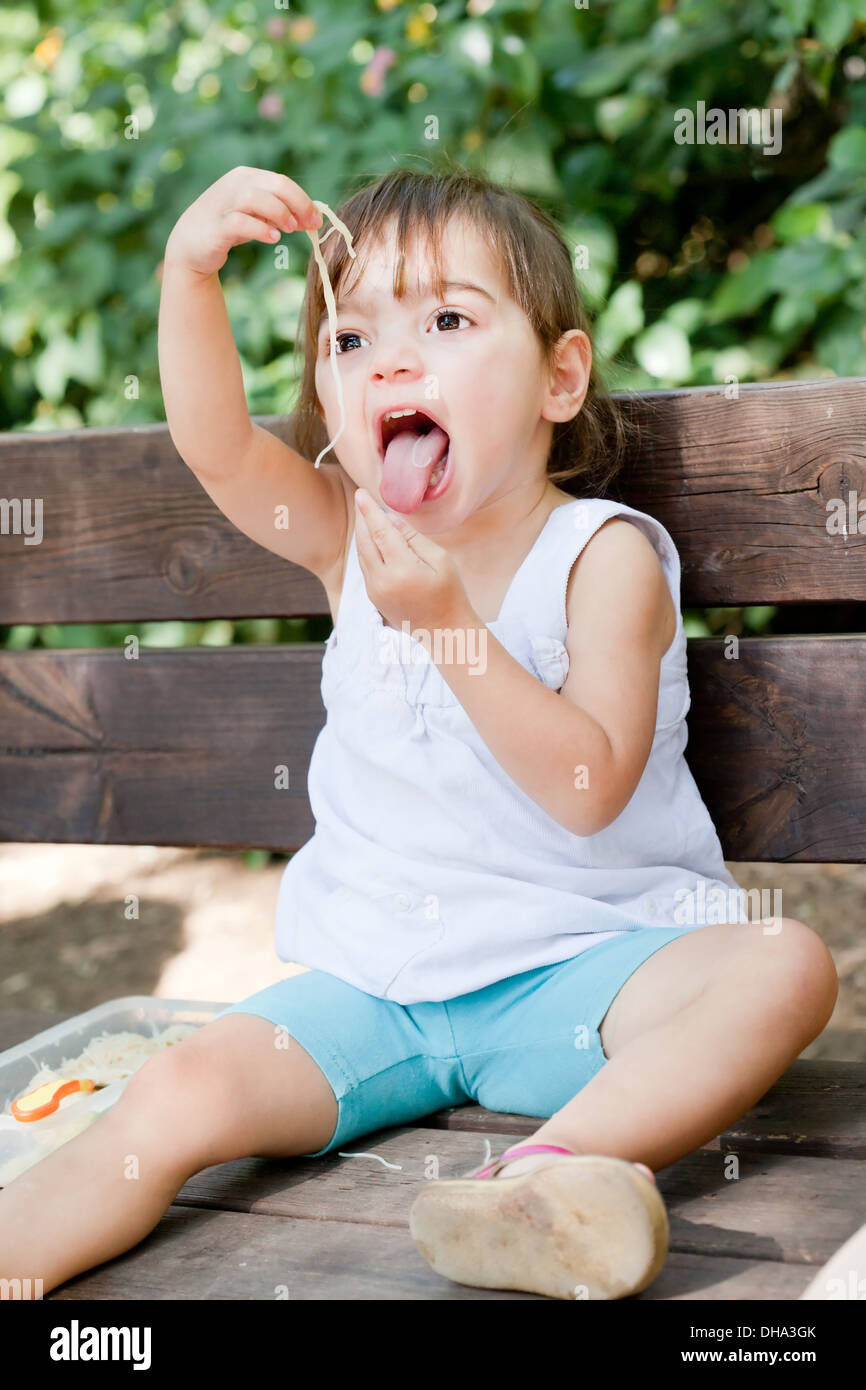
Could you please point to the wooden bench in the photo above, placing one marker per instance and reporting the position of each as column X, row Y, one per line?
column 178, row 747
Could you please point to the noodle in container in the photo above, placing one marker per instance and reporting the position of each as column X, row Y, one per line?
column 331, row 306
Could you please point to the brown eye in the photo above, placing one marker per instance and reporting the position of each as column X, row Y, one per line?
column 450, row 314
column 340, row 339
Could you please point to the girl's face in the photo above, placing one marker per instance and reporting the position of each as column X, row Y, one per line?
column 471, row 361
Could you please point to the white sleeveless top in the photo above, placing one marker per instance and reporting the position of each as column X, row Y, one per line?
column 431, row 873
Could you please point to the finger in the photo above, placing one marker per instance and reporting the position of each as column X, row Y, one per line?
column 383, row 533
column 241, row 227
column 368, row 552
column 258, row 202
column 420, row 548
column 299, row 203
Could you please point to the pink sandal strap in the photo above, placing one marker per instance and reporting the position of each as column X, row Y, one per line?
column 519, row 1151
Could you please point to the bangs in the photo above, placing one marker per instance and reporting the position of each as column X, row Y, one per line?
column 415, row 225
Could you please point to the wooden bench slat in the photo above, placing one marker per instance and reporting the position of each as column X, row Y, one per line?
column 226, row 1255
column 742, row 485
column 183, row 747
column 193, row 1254
column 779, row 1207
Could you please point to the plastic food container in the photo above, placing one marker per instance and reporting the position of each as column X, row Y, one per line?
column 23, row 1144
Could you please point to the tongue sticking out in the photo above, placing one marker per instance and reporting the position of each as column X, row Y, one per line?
column 409, row 460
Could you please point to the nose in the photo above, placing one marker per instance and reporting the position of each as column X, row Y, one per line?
column 396, row 359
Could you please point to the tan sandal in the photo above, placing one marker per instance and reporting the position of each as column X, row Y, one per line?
column 588, row 1226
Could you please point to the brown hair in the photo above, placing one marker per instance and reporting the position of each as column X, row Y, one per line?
column 587, row 451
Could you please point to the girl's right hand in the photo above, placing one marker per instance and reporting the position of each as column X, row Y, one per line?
column 244, row 205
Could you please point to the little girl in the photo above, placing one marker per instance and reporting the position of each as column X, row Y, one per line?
column 497, row 904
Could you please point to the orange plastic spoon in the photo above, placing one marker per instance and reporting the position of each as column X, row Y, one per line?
column 46, row 1098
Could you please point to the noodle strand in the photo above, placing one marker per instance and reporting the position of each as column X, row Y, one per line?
column 331, row 306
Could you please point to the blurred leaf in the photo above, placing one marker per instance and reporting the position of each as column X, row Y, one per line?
column 604, row 70
column 585, row 170
column 71, row 635
column 618, row 115
column 811, row 268
column 792, row 222
column 21, row 638
column 592, row 242
column 791, row 312
column 165, row 634
column 257, row 859
column 758, row 618
column 54, row 366
column 840, row 343
column 834, row 20
column 621, row 319
column 797, row 12
column 743, row 291
column 218, row 633
column 847, row 149
column 521, row 161
column 663, row 351
column 686, row 314
column 786, row 74
column 695, row 625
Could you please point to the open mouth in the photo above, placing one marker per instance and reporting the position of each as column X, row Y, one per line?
column 415, row 451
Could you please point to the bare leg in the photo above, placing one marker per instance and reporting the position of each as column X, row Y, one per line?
column 695, row 1037
column 225, row 1092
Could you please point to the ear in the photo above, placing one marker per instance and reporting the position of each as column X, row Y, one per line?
column 569, row 376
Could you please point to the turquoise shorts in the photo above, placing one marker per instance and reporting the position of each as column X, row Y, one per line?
column 524, row 1045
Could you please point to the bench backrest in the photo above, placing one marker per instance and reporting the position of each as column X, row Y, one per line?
column 762, row 494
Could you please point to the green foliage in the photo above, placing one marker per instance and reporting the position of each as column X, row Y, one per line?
column 702, row 260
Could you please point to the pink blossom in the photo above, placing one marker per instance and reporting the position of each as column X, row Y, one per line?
column 271, row 106
column 373, row 76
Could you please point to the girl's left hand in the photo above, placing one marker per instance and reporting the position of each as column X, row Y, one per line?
column 408, row 576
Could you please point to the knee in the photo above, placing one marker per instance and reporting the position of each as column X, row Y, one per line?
column 183, row 1095
column 801, row 972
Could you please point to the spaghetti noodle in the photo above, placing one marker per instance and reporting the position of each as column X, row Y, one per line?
column 331, row 307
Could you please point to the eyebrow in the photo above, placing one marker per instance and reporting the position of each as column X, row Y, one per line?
column 361, row 305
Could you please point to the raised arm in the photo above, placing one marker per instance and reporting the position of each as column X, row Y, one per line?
column 252, row 476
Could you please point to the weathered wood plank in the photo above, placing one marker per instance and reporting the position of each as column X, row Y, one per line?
column 128, row 533
column 742, row 485
column 171, row 749
column 194, row 1254
column 183, row 747
column 226, row 1255
column 778, row 1208
column 767, row 738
